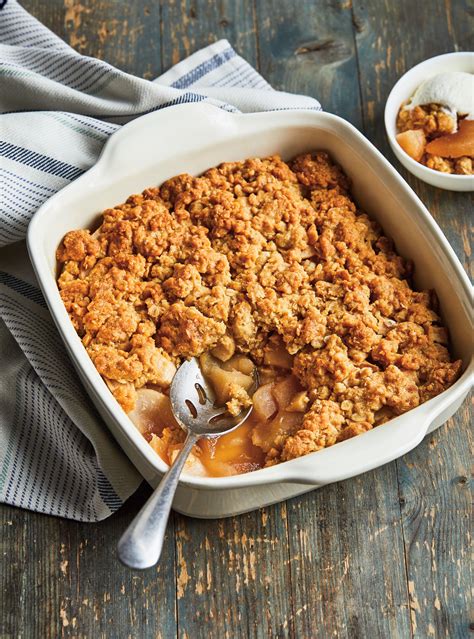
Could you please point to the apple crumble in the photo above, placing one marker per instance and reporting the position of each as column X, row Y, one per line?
column 436, row 125
column 262, row 262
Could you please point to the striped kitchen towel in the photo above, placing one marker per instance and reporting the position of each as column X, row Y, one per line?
column 57, row 109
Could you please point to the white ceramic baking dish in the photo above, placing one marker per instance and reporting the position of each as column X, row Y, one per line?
column 191, row 138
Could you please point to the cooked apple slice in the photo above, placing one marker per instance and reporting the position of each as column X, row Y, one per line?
column 285, row 390
column 413, row 142
column 239, row 363
column 265, row 434
column 193, row 464
column 159, row 447
column 224, row 349
column 299, row 403
column 264, row 403
column 456, row 144
column 152, row 412
column 277, row 355
column 224, row 382
column 227, row 383
column 267, row 374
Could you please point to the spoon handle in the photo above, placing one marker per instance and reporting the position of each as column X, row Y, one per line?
column 141, row 544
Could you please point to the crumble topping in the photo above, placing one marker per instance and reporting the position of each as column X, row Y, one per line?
column 265, row 258
column 432, row 118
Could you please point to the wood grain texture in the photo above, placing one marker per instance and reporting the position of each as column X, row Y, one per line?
column 381, row 556
column 347, row 559
column 62, row 579
column 435, row 499
column 189, row 25
column 311, row 50
column 127, row 33
column 233, row 576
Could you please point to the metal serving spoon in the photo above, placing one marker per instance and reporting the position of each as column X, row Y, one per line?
column 195, row 410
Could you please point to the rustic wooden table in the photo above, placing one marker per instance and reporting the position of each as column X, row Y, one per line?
column 380, row 556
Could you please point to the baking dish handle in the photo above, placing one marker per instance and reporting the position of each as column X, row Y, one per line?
column 364, row 452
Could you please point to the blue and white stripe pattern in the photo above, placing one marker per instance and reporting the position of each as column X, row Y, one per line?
column 57, row 108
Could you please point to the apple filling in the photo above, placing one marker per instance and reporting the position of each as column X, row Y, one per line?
column 278, row 407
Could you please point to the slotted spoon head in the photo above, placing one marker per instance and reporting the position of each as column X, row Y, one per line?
column 194, row 403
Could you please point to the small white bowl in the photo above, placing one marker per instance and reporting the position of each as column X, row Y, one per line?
column 402, row 91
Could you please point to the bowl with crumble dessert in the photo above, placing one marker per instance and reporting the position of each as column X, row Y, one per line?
column 429, row 118
column 281, row 241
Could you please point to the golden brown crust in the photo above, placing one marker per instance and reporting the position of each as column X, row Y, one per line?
column 259, row 252
column 431, row 118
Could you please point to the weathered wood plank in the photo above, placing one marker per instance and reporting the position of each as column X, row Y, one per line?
column 309, row 48
column 126, row 34
column 51, row 14
column 64, row 580
column 233, row 577
column 460, row 23
column 433, row 491
column 436, row 506
column 347, row 560
column 189, row 25
column 13, row 524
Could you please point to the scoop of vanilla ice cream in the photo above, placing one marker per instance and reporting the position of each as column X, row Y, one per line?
column 454, row 91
